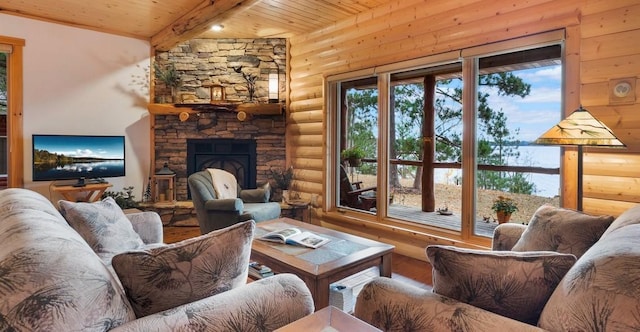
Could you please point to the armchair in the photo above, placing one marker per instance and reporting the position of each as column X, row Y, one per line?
column 353, row 195
column 214, row 213
column 481, row 290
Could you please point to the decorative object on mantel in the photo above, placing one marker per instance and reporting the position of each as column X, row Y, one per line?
column 251, row 81
column 170, row 78
column 257, row 109
column 217, row 94
column 274, row 88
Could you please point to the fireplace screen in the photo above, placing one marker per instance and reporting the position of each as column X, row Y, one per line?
column 236, row 156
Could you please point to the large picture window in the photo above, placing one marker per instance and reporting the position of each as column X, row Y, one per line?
column 442, row 140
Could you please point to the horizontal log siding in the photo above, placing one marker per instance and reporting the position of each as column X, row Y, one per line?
column 609, row 50
column 410, row 29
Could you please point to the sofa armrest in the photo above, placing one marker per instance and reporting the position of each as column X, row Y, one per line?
column 263, row 305
column 392, row 305
column 226, row 205
column 506, row 235
column 148, row 225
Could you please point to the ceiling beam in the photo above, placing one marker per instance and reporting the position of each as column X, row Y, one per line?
column 197, row 21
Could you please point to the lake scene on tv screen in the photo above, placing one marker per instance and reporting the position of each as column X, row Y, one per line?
column 62, row 157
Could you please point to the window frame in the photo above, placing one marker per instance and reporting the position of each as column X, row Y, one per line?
column 469, row 59
column 15, row 164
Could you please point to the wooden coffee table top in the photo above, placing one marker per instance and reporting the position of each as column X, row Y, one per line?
column 343, row 256
column 342, row 251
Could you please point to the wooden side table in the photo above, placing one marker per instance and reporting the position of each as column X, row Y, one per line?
column 296, row 210
column 87, row 193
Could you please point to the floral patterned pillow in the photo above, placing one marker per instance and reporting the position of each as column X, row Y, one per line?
column 103, row 225
column 512, row 284
column 562, row 230
column 166, row 277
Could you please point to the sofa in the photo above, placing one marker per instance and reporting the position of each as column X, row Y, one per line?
column 214, row 212
column 565, row 271
column 55, row 276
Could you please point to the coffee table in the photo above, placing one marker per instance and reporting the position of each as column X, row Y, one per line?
column 343, row 256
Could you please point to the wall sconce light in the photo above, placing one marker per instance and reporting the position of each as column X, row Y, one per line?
column 273, row 88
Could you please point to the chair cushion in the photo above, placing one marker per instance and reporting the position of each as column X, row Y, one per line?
column 162, row 278
column 511, row 284
column 259, row 195
column 103, row 225
column 562, row 230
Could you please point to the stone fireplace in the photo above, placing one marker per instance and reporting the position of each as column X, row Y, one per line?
column 218, row 139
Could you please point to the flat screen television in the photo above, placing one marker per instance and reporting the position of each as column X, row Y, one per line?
column 70, row 157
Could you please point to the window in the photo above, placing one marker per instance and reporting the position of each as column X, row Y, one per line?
column 357, row 167
column 4, row 155
column 11, row 48
column 456, row 132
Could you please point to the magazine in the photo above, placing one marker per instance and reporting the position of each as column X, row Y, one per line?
column 295, row 236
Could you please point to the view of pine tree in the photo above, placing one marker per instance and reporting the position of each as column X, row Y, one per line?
column 363, row 123
column 496, row 142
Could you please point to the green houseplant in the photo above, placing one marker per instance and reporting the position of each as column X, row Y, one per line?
column 169, row 77
column 283, row 179
column 504, row 207
column 124, row 198
column 353, row 156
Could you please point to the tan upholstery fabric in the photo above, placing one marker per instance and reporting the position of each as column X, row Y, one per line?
column 513, row 284
column 562, row 230
column 161, row 278
column 103, row 225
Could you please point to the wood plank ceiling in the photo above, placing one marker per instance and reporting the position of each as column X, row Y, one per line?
column 167, row 22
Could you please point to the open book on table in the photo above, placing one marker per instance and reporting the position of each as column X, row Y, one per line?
column 295, row 236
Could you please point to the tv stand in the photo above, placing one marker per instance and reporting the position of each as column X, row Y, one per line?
column 87, row 192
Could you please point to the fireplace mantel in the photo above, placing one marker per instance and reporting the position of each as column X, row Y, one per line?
column 248, row 108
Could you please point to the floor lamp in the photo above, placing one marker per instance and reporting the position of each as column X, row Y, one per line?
column 580, row 129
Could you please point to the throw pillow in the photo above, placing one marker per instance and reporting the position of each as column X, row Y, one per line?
column 562, row 230
column 103, row 225
column 259, row 195
column 166, row 277
column 511, row 284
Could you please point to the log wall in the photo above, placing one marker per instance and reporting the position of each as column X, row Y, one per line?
column 605, row 33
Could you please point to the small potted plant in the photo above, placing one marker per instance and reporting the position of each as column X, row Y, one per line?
column 283, row 179
column 504, row 207
column 170, row 78
column 353, row 156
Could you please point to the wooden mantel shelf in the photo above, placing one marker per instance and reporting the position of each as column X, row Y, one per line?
column 248, row 108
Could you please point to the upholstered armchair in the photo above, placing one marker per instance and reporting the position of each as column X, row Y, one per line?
column 565, row 271
column 214, row 212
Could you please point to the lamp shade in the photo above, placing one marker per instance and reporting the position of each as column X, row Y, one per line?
column 580, row 128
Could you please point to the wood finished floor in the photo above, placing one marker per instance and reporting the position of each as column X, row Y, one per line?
column 405, row 269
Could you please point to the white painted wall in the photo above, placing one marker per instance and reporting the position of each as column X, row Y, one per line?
column 81, row 82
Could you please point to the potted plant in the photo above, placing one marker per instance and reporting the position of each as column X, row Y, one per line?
column 169, row 77
column 353, row 156
column 283, row 179
column 504, row 207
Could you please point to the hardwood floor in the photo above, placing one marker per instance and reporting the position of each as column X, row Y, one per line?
column 405, row 269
